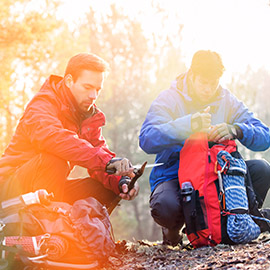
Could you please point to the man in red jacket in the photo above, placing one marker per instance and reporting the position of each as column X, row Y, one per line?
column 62, row 127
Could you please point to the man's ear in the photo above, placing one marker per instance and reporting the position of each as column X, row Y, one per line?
column 68, row 80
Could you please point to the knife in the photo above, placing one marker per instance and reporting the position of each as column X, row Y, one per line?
column 136, row 167
column 116, row 200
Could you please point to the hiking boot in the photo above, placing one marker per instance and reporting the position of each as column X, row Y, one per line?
column 264, row 226
column 171, row 237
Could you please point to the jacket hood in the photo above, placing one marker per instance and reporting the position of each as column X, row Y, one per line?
column 55, row 88
column 51, row 84
column 182, row 85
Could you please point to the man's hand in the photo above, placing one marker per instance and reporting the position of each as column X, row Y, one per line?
column 201, row 121
column 222, row 132
column 126, row 191
column 120, row 166
column 129, row 195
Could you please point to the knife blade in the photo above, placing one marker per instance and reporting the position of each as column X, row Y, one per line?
column 136, row 167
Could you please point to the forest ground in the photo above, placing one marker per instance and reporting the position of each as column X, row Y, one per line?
column 140, row 255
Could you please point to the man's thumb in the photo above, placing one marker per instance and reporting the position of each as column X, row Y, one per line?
column 207, row 109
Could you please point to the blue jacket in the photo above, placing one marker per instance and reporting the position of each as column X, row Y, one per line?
column 168, row 125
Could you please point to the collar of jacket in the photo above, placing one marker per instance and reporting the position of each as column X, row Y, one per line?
column 69, row 103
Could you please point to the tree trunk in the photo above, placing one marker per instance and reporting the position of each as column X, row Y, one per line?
column 138, row 218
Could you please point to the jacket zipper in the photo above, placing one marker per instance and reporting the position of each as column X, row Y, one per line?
column 208, row 160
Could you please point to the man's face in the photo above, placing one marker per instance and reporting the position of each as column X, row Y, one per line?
column 86, row 88
column 204, row 89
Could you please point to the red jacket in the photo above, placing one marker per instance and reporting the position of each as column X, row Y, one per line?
column 53, row 123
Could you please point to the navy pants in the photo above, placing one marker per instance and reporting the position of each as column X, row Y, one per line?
column 165, row 200
column 49, row 172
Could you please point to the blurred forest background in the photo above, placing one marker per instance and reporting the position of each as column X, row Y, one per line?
column 35, row 42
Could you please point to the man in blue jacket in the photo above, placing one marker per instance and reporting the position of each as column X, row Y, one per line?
column 196, row 102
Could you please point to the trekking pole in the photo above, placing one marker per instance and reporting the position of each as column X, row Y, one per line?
column 138, row 173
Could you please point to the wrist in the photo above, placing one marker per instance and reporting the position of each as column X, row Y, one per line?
column 111, row 161
column 196, row 122
column 235, row 131
column 239, row 132
column 232, row 130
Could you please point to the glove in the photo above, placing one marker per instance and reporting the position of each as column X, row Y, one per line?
column 124, row 180
column 222, row 132
column 119, row 166
column 201, row 121
column 127, row 192
column 110, row 166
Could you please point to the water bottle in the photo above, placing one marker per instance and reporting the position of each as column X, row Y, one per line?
column 186, row 191
column 40, row 196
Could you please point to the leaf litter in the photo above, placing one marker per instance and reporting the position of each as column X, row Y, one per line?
column 143, row 254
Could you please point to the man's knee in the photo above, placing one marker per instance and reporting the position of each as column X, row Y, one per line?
column 166, row 216
column 166, row 209
column 259, row 171
column 258, row 165
column 44, row 171
column 264, row 167
column 43, row 165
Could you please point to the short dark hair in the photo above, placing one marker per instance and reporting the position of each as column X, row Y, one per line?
column 85, row 61
column 207, row 64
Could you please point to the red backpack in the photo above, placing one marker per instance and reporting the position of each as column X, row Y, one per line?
column 199, row 183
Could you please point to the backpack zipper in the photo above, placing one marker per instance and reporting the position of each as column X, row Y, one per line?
column 208, row 161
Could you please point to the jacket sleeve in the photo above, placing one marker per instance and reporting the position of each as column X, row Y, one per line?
column 256, row 135
column 161, row 128
column 45, row 131
column 108, row 181
column 93, row 134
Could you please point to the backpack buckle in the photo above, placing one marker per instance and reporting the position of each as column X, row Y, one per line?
column 2, row 225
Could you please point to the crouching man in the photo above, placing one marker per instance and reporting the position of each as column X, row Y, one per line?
column 196, row 102
column 62, row 127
